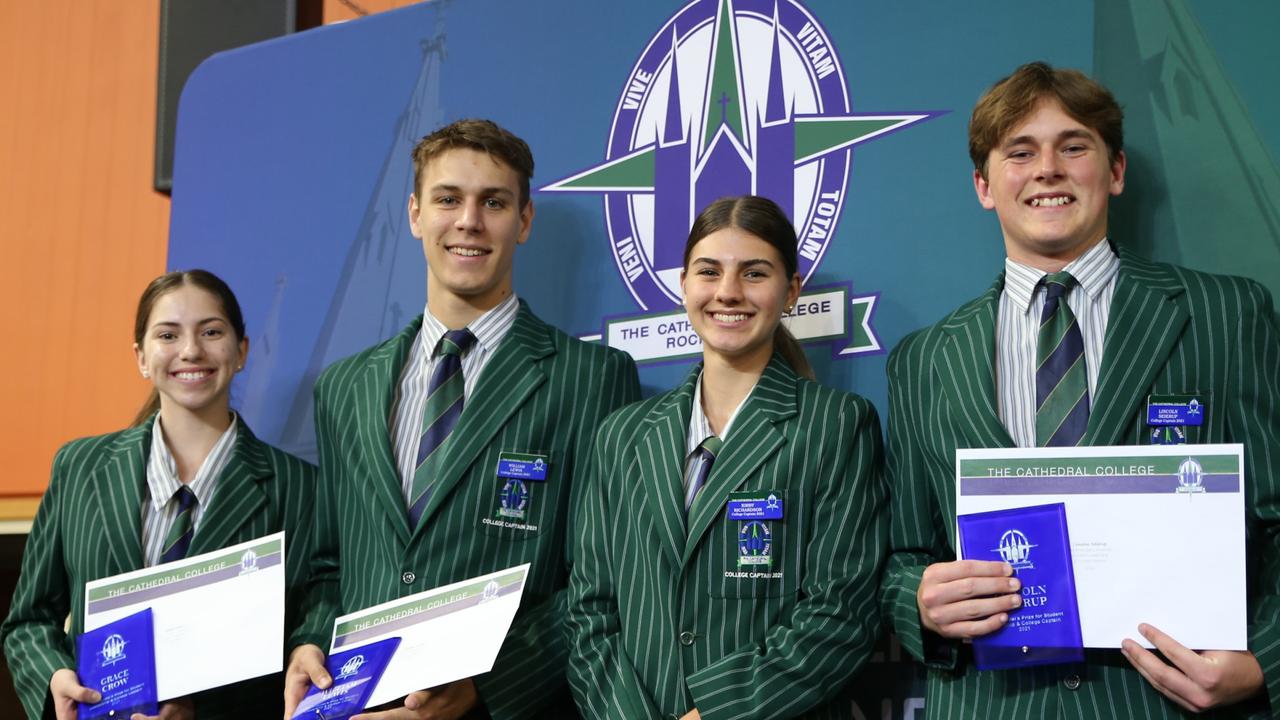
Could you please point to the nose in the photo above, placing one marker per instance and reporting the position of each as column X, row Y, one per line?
column 1050, row 165
column 471, row 219
column 191, row 347
column 729, row 289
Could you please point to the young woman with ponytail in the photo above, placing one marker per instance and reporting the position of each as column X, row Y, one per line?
column 112, row 505
column 731, row 531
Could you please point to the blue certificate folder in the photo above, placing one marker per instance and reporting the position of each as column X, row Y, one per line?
column 355, row 674
column 119, row 661
column 1034, row 540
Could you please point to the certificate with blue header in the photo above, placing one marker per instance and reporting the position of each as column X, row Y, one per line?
column 1157, row 532
column 219, row 616
column 119, row 661
column 1035, row 542
column 355, row 674
column 446, row 634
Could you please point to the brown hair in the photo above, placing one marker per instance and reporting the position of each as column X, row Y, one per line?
column 166, row 284
column 763, row 218
column 1011, row 100
column 483, row 135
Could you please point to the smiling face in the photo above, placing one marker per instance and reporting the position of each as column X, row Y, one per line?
column 1049, row 182
column 191, row 353
column 468, row 216
column 735, row 290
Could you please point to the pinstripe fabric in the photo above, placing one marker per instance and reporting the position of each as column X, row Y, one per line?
column 88, row 527
column 411, row 390
column 158, row 511
column 1171, row 331
column 764, row 647
column 1018, row 323
column 543, row 392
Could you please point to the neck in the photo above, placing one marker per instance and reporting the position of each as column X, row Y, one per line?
column 726, row 382
column 456, row 311
column 191, row 435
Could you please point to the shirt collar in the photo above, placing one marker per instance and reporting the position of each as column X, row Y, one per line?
column 489, row 328
column 700, row 427
column 162, row 468
column 1093, row 271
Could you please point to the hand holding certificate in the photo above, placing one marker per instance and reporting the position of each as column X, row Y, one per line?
column 1156, row 532
column 218, row 617
column 445, row 635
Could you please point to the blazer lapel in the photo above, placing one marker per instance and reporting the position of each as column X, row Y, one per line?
column 117, row 489
column 966, row 370
column 376, row 387
column 239, row 496
column 660, row 452
column 1147, row 318
column 508, row 379
column 753, row 440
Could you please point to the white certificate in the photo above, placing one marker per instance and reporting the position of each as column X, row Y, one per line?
column 1157, row 532
column 446, row 634
column 219, row 617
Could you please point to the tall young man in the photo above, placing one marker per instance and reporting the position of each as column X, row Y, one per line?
column 411, row 433
column 1047, row 148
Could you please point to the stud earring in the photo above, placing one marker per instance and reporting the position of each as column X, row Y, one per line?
column 146, row 374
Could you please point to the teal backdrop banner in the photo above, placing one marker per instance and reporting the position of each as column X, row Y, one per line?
column 292, row 169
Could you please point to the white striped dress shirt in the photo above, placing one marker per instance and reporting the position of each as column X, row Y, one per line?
column 1018, row 330
column 159, row 506
column 700, row 429
column 415, row 378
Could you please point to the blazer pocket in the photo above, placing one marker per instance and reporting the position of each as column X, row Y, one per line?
column 756, row 558
column 521, row 508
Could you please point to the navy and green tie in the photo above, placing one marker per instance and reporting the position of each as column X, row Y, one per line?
column 444, row 407
column 705, row 453
column 178, row 541
column 1062, row 384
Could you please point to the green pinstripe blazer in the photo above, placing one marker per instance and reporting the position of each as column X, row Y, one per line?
column 89, row 526
column 662, row 619
column 1171, row 330
column 542, row 392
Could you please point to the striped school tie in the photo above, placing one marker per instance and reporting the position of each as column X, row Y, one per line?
column 706, row 453
column 178, row 541
column 444, row 406
column 1062, row 385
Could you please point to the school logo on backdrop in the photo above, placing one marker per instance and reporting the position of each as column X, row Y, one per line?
column 730, row 97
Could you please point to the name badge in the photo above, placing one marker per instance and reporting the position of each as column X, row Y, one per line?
column 753, row 506
column 523, row 466
column 1174, row 410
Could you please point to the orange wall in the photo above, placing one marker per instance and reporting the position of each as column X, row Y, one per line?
column 338, row 11
column 81, row 230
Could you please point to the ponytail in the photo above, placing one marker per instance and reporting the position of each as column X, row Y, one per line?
column 786, row 345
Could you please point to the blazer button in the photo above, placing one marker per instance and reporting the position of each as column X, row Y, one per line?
column 1071, row 682
column 408, row 577
column 686, row 638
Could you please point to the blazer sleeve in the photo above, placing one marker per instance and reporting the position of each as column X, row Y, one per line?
column 916, row 523
column 526, row 675
column 299, row 492
column 601, row 676
column 321, row 595
column 34, row 642
column 1253, row 417
column 831, row 630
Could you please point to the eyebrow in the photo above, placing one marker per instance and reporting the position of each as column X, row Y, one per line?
column 484, row 192
column 745, row 263
column 1072, row 134
column 171, row 323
